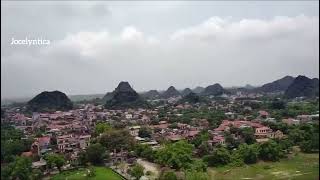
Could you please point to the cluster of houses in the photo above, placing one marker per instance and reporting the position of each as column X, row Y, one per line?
column 70, row 132
column 262, row 133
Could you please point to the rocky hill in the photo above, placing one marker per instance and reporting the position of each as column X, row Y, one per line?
column 50, row 101
column 152, row 94
column 214, row 90
column 124, row 97
column 303, row 86
column 107, row 97
column 198, row 90
column 186, row 91
column 279, row 85
column 171, row 92
column 191, row 98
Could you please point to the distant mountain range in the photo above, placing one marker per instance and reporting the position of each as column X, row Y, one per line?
column 84, row 97
column 290, row 86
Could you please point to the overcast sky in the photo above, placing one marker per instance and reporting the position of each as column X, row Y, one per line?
column 152, row 45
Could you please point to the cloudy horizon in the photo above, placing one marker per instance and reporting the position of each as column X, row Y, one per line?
column 95, row 45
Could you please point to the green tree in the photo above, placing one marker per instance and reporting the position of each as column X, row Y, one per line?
column 219, row 157
column 145, row 151
column 306, row 146
column 91, row 171
column 177, row 155
column 144, row 132
column 277, row 104
column 249, row 153
column 55, row 160
column 231, row 142
column 117, row 139
column 168, row 175
column 83, row 159
column 101, row 128
column 315, row 141
column 270, row 151
column 196, row 175
column 13, row 142
column 197, row 165
column 296, row 135
column 20, row 168
column 137, row 171
column 95, row 153
column 285, row 144
column 204, row 149
column 201, row 138
column 248, row 135
column 36, row 174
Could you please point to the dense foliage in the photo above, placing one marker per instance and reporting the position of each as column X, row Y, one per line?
column 95, row 153
column 117, row 140
column 136, row 171
column 177, row 155
column 20, row 168
column 13, row 143
column 55, row 160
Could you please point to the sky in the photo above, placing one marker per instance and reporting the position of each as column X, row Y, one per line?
column 153, row 45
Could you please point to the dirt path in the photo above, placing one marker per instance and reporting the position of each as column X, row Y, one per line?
column 154, row 168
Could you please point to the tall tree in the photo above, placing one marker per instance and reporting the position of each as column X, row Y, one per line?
column 270, row 150
column 20, row 168
column 96, row 153
column 137, row 171
column 117, row 139
column 55, row 160
column 219, row 157
column 101, row 128
column 249, row 153
column 144, row 132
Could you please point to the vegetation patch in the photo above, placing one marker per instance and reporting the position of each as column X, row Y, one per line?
column 100, row 173
column 300, row 167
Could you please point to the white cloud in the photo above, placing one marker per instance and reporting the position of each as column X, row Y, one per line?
column 226, row 29
column 131, row 33
column 224, row 50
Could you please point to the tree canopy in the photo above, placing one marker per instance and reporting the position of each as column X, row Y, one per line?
column 177, row 155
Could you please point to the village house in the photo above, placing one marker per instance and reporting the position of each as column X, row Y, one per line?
column 41, row 145
column 263, row 132
column 84, row 141
column 308, row 118
column 226, row 124
column 134, row 130
column 217, row 139
column 291, row 121
column 263, row 114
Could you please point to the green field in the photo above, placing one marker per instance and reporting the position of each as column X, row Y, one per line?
column 299, row 167
column 101, row 173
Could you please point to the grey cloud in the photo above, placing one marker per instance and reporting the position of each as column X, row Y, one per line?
column 90, row 55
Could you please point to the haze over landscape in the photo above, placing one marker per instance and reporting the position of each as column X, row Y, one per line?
column 95, row 45
column 162, row 90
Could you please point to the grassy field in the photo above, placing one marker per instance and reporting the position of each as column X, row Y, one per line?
column 299, row 167
column 101, row 173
